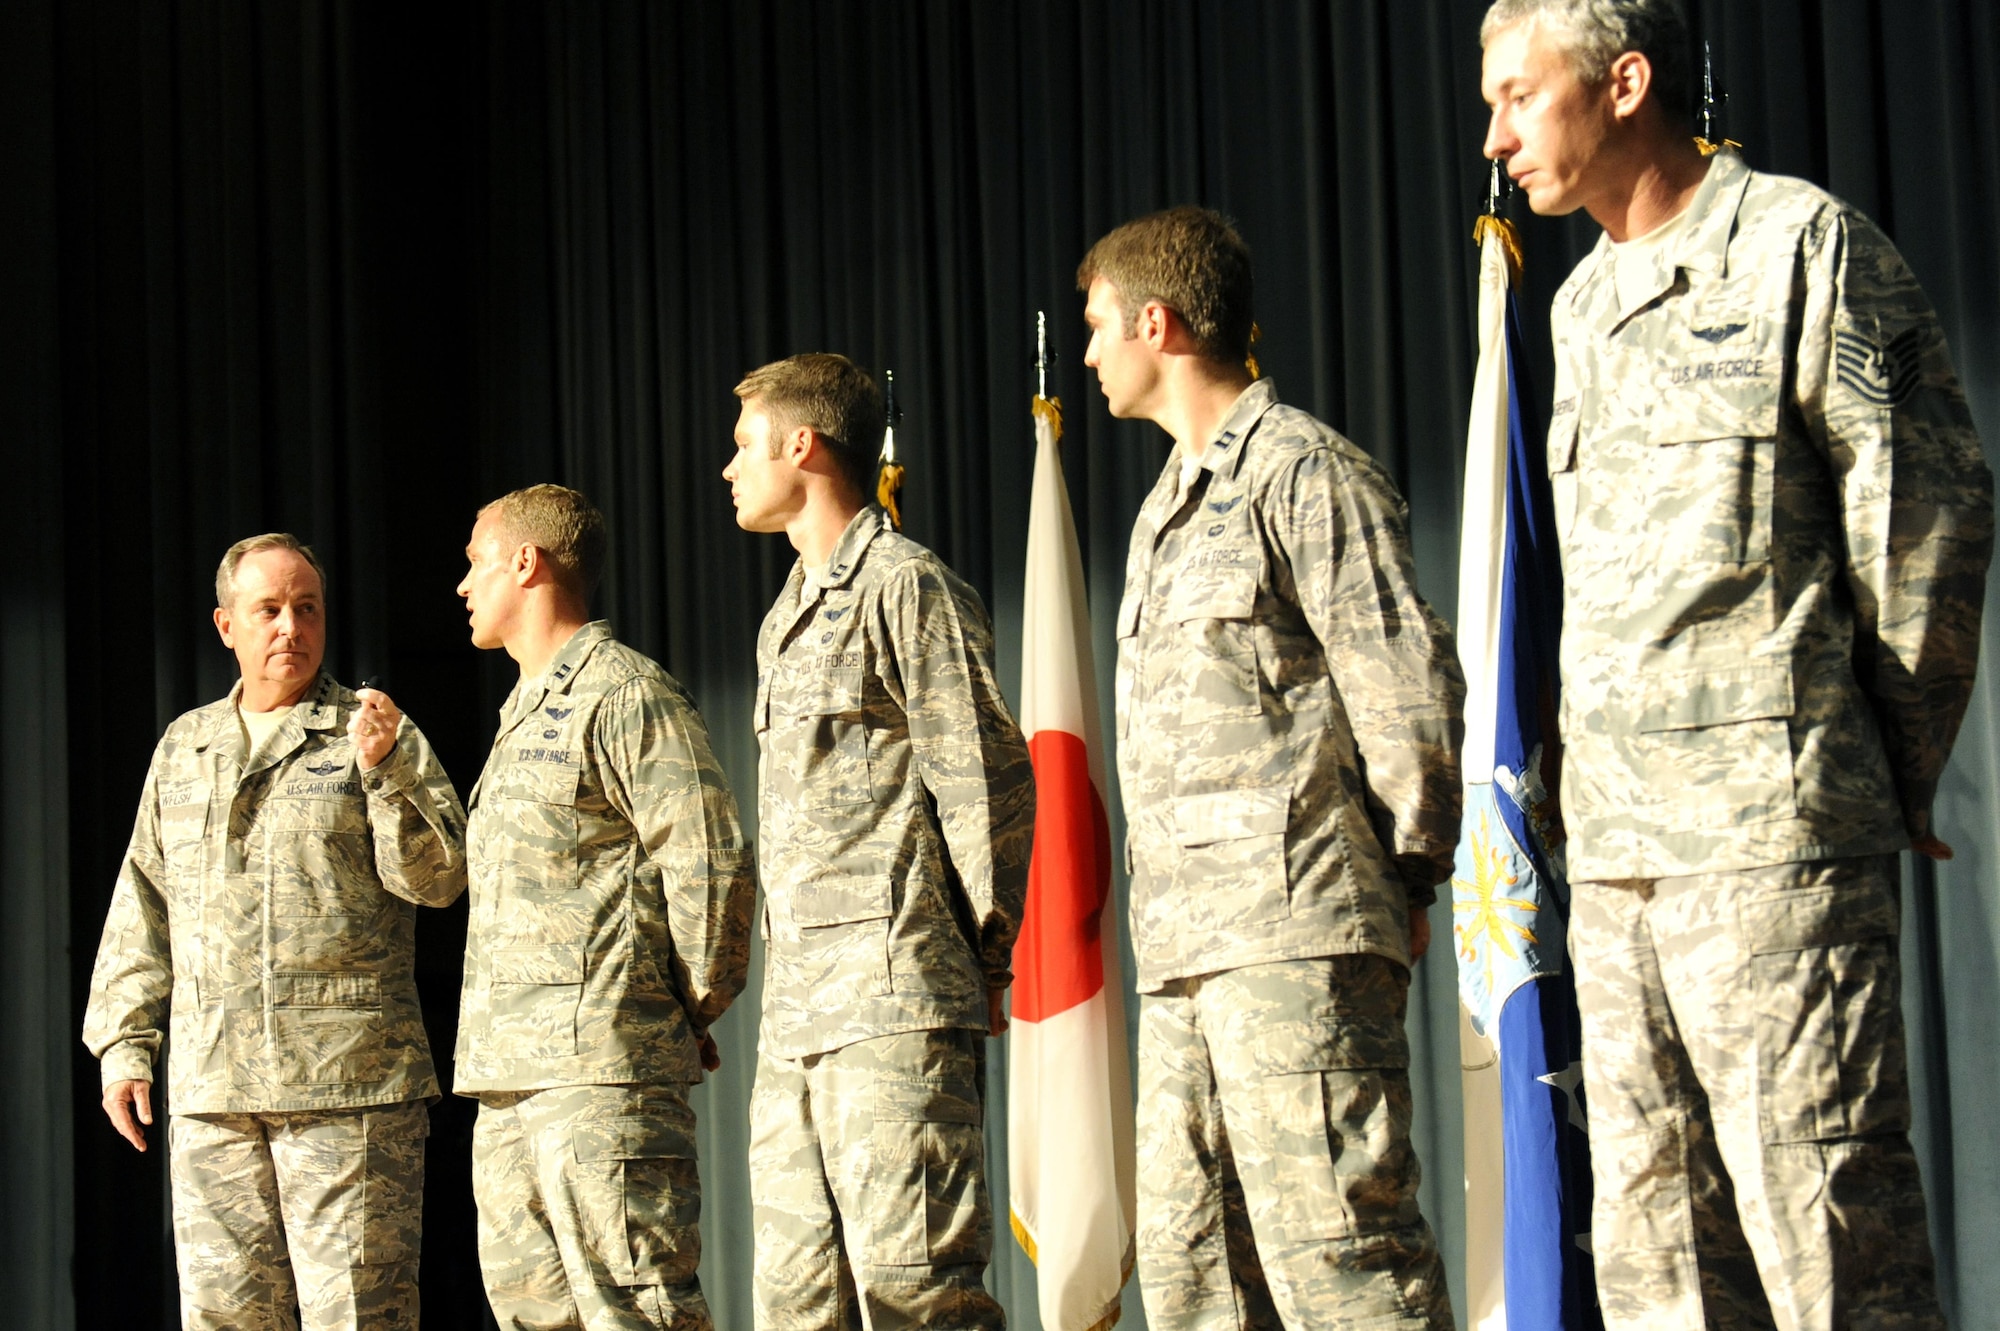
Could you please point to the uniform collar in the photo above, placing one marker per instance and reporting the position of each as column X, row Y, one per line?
column 318, row 708
column 560, row 673
column 1224, row 453
column 1702, row 244
column 845, row 559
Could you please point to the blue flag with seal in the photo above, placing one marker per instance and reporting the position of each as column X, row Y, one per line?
column 1527, row 1145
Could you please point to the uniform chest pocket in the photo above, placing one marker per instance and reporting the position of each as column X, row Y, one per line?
column 1212, row 609
column 1562, row 472
column 1714, row 429
column 537, row 810
column 183, row 825
column 825, row 739
column 321, row 858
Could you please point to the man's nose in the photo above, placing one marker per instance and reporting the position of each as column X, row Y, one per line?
column 1500, row 142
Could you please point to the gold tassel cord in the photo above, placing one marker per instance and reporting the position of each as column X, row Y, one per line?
column 1250, row 361
column 887, row 486
column 1050, row 410
column 1709, row 148
column 1510, row 240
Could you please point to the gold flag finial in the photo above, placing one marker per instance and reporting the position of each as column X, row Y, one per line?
column 889, row 481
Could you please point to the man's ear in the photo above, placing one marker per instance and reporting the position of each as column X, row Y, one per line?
column 1628, row 83
column 224, row 627
column 798, row 445
column 527, row 562
column 1155, row 325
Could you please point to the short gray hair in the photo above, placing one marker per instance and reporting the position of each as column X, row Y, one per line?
column 225, row 573
column 1593, row 33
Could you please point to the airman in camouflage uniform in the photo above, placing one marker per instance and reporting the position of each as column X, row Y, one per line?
column 896, row 819
column 1288, row 732
column 610, row 928
column 1775, row 524
column 265, row 913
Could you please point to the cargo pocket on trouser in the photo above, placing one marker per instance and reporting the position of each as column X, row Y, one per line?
column 1826, row 980
column 638, row 1197
column 927, row 1198
column 1329, row 1172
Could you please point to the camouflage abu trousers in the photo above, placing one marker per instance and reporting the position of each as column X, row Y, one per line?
column 1277, row 1183
column 868, row 1183
column 322, row 1210
column 589, row 1208
column 1749, row 1108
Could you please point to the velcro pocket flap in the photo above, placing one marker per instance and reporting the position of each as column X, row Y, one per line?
column 841, row 900
column 540, row 782
column 1809, row 918
column 1128, row 612
column 632, row 1137
column 1226, row 592
column 348, row 989
column 833, row 692
column 1695, row 699
column 1228, row 815
column 538, row 965
column 1562, row 443
column 926, row 1100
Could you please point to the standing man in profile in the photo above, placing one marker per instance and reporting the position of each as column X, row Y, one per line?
column 1775, row 524
column 610, row 928
column 1289, row 725
column 896, row 808
column 266, row 908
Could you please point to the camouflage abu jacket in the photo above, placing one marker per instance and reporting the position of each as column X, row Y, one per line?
column 1775, row 524
column 896, row 801
column 267, row 912
column 1289, row 708
column 611, row 891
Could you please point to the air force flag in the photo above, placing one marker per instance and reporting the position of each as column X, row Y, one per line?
column 1527, row 1154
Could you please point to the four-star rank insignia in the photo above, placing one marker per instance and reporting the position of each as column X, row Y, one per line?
column 1881, row 376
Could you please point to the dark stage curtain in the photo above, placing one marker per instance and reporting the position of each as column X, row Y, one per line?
column 351, row 270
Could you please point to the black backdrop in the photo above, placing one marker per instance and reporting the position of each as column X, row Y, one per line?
column 350, row 270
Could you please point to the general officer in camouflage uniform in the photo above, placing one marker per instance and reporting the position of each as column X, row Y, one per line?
column 896, row 819
column 266, row 908
column 1288, row 734
column 1775, row 525
column 610, row 928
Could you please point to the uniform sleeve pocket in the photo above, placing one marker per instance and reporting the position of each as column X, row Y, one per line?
column 1826, row 984
column 640, row 1197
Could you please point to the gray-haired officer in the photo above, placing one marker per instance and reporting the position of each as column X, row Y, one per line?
column 266, row 911
column 1775, row 524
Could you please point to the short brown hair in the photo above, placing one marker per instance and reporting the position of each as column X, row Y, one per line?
column 225, row 572
column 832, row 395
column 1190, row 260
column 562, row 524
